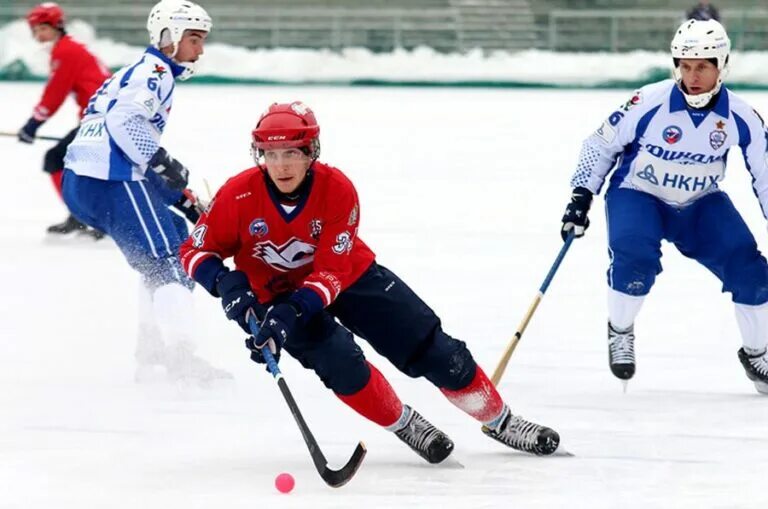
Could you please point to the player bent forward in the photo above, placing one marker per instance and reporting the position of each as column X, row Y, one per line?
column 290, row 223
column 671, row 141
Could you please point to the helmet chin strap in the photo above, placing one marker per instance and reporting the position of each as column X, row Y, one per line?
column 699, row 100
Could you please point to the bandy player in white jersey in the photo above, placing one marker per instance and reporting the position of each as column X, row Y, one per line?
column 119, row 179
column 667, row 147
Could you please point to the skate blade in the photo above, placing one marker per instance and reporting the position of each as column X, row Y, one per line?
column 451, row 463
column 563, row 453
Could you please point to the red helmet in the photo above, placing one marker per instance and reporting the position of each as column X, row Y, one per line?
column 287, row 125
column 49, row 13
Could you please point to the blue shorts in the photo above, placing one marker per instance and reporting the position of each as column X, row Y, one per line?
column 136, row 215
column 710, row 231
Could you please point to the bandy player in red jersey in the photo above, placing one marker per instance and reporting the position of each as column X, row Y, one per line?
column 290, row 223
column 74, row 70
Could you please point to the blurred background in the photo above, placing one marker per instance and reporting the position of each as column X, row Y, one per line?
column 445, row 25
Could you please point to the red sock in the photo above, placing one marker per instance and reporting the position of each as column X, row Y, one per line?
column 376, row 401
column 479, row 399
column 56, row 179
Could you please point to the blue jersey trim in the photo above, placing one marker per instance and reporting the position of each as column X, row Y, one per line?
column 120, row 167
column 288, row 217
column 176, row 69
column 309, row 301
column 633, row 148
column 208, row 272
column 127, row 76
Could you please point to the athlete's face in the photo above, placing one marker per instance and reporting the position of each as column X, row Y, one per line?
column 45, row 33
column 191, row 46
column 287, row 167
column 699, row 75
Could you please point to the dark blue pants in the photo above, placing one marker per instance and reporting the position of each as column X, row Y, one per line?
column 136, row 215
column 710, row 231
column 380, row 308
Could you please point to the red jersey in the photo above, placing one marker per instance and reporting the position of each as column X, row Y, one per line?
column 74, row 69
column 314, row 246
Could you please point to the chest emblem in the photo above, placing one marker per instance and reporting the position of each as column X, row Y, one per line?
column 672, row 134
column 258, row 228
column 315, row 228
column 291, row 255
column 718, row 136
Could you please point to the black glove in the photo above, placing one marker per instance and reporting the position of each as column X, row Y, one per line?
column 190, row 205
column 277, row 327
column 238, row 299
column 174, row 174
column 257, row 355
column 27, row 133
column 575, row 217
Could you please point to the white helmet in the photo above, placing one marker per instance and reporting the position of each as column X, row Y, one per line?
column 167, row 22
column 701, row 39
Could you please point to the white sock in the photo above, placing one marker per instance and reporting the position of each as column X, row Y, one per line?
column 753, row 324
column 623, row 308
column 174, row 313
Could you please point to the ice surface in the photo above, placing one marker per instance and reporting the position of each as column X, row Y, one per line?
column 462, row 191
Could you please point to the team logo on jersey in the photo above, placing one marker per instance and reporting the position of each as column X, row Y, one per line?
column 718, row 136
column 315, row 228
column 258, row 228
column 343, row 243
column 353, row 216
column 633, row 101
column 606, row 133
column 291, row 255
column 160, row 70
column 649, row 174
column 672, row 134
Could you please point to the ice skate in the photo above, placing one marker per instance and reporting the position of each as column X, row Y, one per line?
column 186, row 367
column 425, row 439
column 523, row 435
column 756, row 367
column 621, row 351
column 150, row 356
column 69, row 225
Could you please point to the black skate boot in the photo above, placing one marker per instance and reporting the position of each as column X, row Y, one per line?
column 523, row 435
column 756, row 367
column 69, row 225
column 621, row 351
column 92, row 233
column 426, row 440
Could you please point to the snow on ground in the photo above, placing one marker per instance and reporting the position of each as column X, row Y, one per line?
column 462, row 191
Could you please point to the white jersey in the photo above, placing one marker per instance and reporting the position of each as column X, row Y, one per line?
column 124, row 120
column 660, row 146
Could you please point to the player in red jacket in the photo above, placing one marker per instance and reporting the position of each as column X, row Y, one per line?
column 74, row 70
column 290, row 223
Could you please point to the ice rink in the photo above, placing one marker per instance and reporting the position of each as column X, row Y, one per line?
column 462, row 191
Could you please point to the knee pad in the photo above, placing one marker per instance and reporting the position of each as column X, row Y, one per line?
column 337, row 360
column 746, row 278
column 634, row 265
column 444, row 361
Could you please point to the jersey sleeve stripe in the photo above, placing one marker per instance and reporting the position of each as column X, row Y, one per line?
column 324, row 292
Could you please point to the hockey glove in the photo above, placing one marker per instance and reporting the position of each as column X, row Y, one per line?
column 27, row 133
column 174, row 174
column 277, row 327
column 238, row 299
column 575, row 217
column 257, row 354
column 190, row 205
